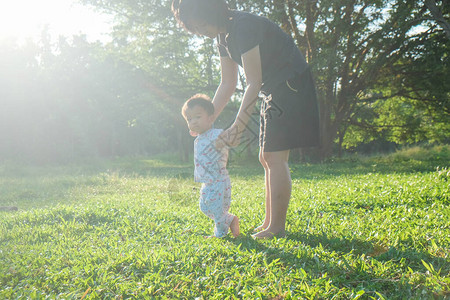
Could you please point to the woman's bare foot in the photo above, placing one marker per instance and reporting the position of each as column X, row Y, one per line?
column 234, row 226
column 267, row 234
column 260, row 228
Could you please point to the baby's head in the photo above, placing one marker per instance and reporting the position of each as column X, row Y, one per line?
column 198, row 111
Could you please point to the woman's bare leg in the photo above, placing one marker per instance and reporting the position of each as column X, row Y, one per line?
column 280, row 186
column 266, row 222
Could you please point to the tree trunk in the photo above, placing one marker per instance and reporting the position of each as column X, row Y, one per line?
column 341, row 140
column 438, row 16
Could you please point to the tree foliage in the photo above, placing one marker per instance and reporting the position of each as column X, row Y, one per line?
column 353, row 46
column 381, row 68
column 358, row 50
column 411, row 97
column 69, row 99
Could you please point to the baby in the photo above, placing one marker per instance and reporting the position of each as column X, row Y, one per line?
column 210, row 165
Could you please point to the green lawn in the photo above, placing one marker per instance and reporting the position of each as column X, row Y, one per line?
column 372, row 228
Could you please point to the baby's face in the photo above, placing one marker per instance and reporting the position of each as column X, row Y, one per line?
column 198, row 119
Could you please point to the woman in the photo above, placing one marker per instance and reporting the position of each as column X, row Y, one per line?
column 274, row 66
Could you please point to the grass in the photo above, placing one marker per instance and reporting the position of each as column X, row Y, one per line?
column 368, row 228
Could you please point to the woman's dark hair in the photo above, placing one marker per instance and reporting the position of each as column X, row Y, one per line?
column 201, row 100
column 212, row 12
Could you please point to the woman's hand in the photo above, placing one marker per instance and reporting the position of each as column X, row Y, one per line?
column 230, row 137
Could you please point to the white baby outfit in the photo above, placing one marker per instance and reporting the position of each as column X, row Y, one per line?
column 210, row 169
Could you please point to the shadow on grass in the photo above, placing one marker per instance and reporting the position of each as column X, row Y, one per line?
column 301, row 256
column 318, row 272
column 412, row 258
column 350, row 272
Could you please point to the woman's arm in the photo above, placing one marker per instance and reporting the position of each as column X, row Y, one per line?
column 251, row 62
column 229, row 71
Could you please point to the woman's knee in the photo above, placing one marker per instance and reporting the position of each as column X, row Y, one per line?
column 274, row 158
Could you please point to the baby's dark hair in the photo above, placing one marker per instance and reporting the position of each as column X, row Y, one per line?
column 201, row 100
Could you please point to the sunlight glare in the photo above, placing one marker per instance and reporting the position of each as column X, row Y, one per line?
column 27, row 18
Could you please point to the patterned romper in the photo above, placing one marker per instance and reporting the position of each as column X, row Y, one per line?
column 210, row 169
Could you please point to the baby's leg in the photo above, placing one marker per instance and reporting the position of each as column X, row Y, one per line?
column 210, row 198
column 234, row 225
column 215, row 203
column 207, row 193
column 223, row 218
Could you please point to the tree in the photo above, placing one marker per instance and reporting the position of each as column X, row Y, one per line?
column 18, row 68
column 411, row 98
column 440, row 13
column 71, row 99
column 352, row 46
column 177, row 64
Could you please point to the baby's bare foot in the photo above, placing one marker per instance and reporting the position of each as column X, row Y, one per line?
column 234, row 226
